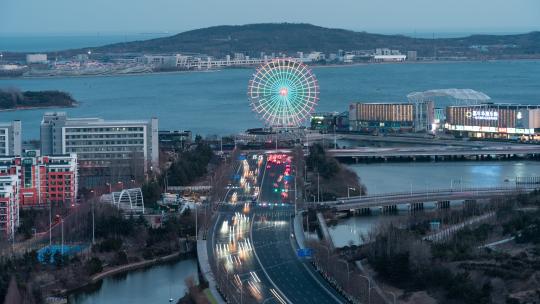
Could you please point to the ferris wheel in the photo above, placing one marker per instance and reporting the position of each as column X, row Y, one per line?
column 283, row 92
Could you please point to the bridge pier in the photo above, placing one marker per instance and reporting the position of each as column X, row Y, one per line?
column 443, row 204
column 416, row 207
column 469, row 203
column 391, row 209
column 363, row 211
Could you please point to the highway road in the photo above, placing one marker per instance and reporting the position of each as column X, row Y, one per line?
column 275, row 246
column 244, row 266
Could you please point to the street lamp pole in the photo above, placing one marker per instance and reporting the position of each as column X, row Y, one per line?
column 62, row 227
column 196, row 224
column 369, row 287
column 50, row 222
column 295, row 195
column 335, row 137
column 348, row 192
column 93, row 218
column 348, row 271
column 318, row 185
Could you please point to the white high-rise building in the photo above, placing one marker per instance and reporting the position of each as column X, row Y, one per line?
column 101, row 143
column 10, row 138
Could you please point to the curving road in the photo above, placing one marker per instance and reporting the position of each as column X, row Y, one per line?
column 275, row 247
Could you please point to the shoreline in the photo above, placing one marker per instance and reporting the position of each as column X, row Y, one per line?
column 74, row 105
column 314, row 66
column 124, row 269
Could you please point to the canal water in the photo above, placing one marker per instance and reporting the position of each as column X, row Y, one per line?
column 398, row 177
column 156, row 284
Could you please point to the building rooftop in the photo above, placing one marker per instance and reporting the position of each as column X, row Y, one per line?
column 77, row 121
column 499, row 105
column 458, row 94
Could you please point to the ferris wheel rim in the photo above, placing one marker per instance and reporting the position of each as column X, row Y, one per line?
column 283, row 92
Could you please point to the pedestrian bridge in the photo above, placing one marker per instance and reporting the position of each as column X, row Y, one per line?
column 430, row 195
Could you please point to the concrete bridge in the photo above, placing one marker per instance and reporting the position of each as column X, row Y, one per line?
column 415, row 198
column 434, row 151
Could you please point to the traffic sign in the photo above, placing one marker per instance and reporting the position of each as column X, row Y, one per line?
column 304, row 252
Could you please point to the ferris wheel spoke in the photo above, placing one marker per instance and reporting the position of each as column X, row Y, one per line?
column 283, row 92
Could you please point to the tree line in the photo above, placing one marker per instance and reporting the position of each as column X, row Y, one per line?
column 14, row 98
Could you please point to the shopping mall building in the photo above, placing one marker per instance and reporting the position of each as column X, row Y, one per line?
column 391, row 117
column 504, row 121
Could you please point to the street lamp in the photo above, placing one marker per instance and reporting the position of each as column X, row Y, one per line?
column 348, row 192
column 295, row 192
column 62, row 227
column 393, row 295
column 348, row 272
column 93, row 221
column 369, row 286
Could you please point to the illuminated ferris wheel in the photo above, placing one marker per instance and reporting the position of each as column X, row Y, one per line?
column 283, row 92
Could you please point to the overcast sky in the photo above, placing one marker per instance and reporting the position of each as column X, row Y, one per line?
column 136, row 16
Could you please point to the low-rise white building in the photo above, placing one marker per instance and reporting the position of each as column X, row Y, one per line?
column 10, row 138
column 36, row 59
column 389, row 58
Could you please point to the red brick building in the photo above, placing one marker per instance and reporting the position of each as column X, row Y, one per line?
column 43, row 179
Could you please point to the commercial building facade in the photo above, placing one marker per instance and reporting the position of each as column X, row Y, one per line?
column 113, row 150
column 174, row 140
column 504, row 121
column 330, row 122
column 9, row 206
column 394, row 117
column 43, row 179
column 10, row 138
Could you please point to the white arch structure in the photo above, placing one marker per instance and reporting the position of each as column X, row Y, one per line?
column 460, row 96
column 129, row 200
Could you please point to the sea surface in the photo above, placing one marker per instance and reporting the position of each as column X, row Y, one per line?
column 215, row 102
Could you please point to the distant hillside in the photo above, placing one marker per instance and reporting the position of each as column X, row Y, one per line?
column 290, row 38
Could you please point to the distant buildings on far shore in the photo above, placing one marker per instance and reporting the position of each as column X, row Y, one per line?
column 39, row 64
